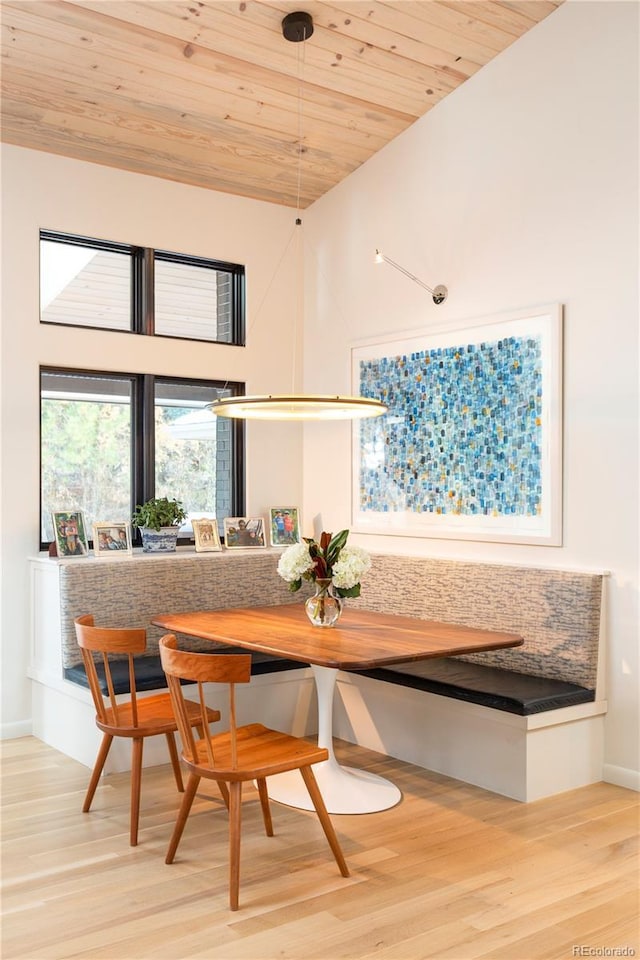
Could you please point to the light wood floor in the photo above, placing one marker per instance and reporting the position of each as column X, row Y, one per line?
column 452, row 873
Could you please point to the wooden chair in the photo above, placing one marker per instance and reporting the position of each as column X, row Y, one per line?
column 134, row 718
column 244, row 753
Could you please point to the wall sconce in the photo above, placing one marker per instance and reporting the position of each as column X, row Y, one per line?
column 438, row 293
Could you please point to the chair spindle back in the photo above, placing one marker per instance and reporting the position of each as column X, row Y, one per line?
column 106, row 640
column 202, row 668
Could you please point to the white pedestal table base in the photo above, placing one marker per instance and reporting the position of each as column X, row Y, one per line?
column 344, row 789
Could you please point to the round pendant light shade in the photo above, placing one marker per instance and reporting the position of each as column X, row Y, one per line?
column 292, row 407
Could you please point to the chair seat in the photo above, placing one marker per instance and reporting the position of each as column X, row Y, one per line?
column 261, row 752
column 155, row 716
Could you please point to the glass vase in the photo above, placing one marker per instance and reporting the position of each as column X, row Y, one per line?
column 324, row 607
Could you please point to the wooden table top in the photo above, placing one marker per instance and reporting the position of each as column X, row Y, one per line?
column 360, row 640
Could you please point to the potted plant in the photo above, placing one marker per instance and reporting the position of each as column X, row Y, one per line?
column 159, row 520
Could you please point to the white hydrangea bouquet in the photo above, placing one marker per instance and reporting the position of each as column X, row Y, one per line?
column 329, row 561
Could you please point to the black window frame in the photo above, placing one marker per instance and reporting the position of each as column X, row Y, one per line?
column 143, row 288
column 142, row 481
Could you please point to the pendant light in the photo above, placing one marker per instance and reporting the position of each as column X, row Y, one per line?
column 309, row 406
column 297, row 27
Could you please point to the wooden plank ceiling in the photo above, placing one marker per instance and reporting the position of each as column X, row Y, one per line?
column 208, row 92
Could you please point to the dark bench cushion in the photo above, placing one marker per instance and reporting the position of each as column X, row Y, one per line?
column 488, row 686
column 150, row 675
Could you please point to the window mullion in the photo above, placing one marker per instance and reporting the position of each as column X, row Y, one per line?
column 137, row 442
column 238, row 309
column 148, row 437
column 238, row 467
column 142, row 291
column 149, row 293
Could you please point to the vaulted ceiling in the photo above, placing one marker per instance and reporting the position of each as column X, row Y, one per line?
column 210, row 93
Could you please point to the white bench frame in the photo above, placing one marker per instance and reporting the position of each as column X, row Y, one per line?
column 525, row 758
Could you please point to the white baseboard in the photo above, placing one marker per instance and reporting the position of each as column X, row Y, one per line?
column 621, row 776
column 12, row 731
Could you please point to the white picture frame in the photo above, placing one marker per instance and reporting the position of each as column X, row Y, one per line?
column 284, row 526
column 112, row 539
column 206, row 535
column 69, row 530
column 244, row 533
column 471, row 446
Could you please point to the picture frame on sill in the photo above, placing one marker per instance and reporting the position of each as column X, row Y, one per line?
column 284, row 525
column 70, row 533
column 471, row 445
column 244, row 533
column 206, row 536
column 112, row 540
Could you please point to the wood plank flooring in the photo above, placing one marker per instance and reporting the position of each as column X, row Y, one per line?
column 452, row 873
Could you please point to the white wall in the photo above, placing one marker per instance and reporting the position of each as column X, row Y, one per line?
column 40, row 190
column 521, row 188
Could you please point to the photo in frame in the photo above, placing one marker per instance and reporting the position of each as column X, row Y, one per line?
column 70, row 533
column 284, row 526
column 243, row 532
column 471, row 446
column 206, row 536
column 112, row 539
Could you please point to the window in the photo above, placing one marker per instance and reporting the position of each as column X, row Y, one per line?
column 85, row 446
column 197, row 299
column 193, row 449
column 85, row 284
column 109, row 441
column 116, row 286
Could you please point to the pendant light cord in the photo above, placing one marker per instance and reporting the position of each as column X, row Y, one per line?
column 301, row 47
column 298, row 220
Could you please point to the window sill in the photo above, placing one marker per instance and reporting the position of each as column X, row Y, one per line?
column 180, row 554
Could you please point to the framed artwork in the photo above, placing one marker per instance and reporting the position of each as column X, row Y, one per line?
column 112, row 539
column 284, row 526
column 205, row 532
column 70, row 533
column 244, row 532
column 471, row 446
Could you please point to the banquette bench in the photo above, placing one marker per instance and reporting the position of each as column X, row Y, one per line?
column 490, row 718
column 556, row 611
column 526, row 722
column 127, row 592
column 154, row 588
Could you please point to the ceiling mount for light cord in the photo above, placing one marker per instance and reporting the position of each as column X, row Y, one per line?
column 297, row 27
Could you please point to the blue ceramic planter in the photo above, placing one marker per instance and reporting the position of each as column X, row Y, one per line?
column 163, row 540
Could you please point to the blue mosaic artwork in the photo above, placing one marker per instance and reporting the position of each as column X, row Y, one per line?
column 463, row 433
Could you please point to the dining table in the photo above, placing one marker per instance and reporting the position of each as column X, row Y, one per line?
column 360, row 640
